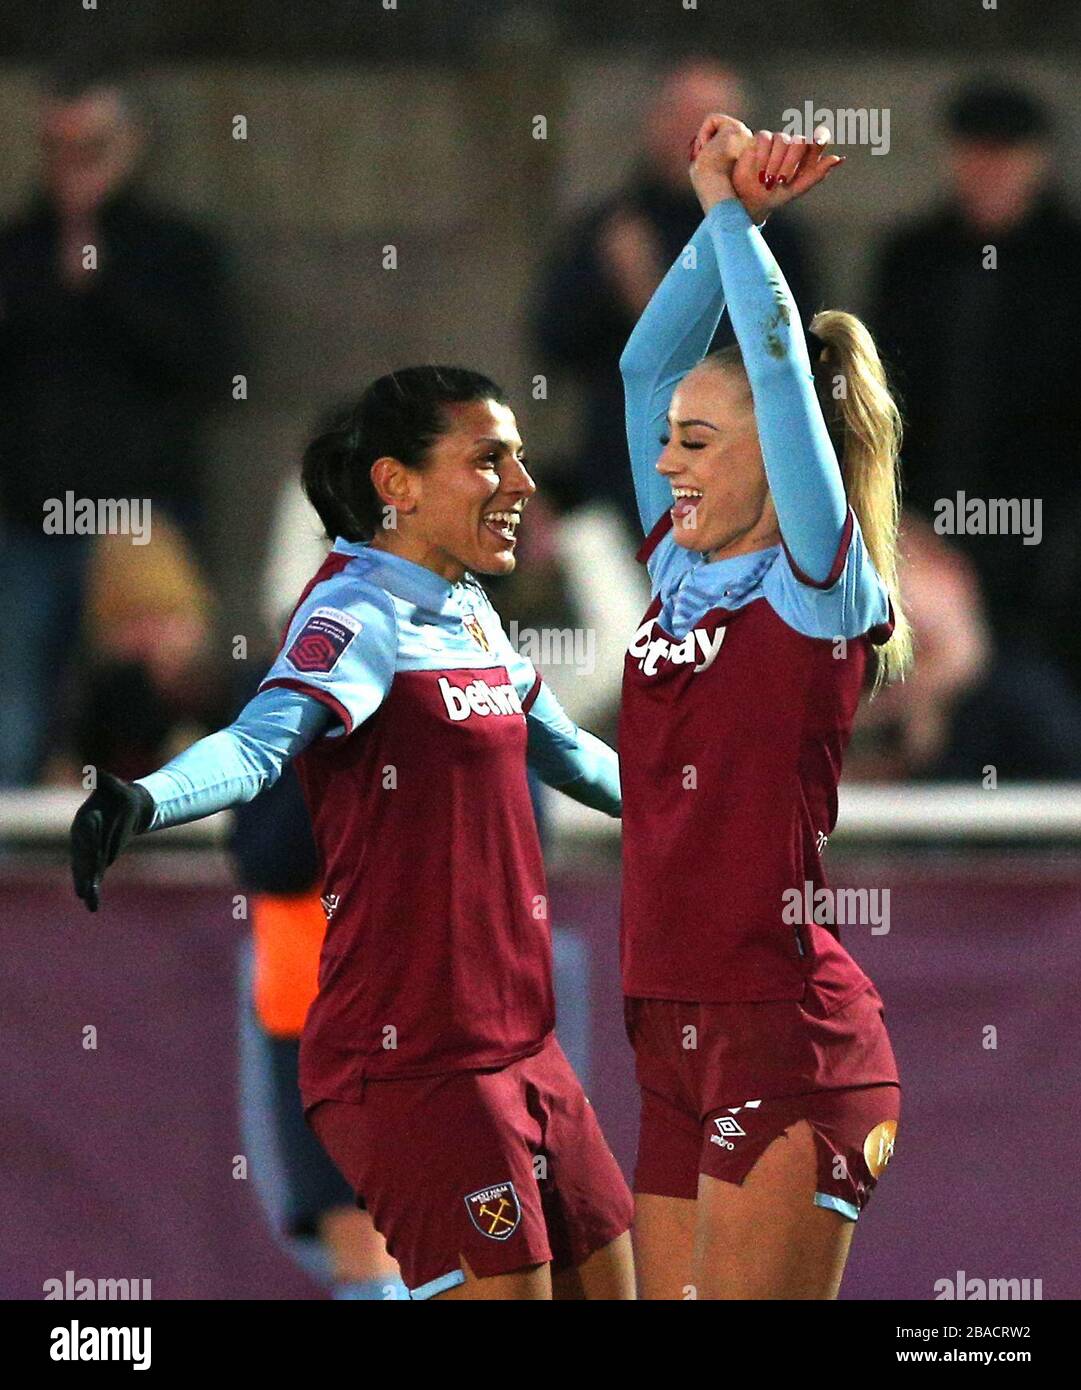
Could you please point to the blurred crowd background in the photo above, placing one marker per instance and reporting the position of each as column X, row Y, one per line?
column 288, row 201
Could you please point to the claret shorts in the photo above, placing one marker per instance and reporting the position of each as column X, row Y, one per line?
column 721, row 1082
column 505, row 1168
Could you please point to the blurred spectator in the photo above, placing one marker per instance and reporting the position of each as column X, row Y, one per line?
column 295, row 549
column 987, row 358
column 152, row 684
column 610, row 262
column 107, row 371
column 969, row 704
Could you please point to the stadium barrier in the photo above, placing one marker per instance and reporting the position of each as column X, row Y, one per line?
column 1022, row 813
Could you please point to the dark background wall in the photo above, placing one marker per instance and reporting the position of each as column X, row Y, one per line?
column 368, row 129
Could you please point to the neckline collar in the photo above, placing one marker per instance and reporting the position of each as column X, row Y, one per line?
column 735, row 575
column 399, row 576
column 730, row 565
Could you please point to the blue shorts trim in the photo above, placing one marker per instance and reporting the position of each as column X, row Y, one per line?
column 440, row 1285
column 831, row 1203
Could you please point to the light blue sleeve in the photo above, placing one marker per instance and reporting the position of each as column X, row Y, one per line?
column 563, row 756
column 236, row 764
column 341, row 649
column 801, row 466
column 571, row 759
column 853, row 604
column 672, row 336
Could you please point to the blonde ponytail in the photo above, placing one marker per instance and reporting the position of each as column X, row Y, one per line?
column 865, row 426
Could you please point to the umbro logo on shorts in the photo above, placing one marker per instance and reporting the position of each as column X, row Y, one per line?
column 478, row 697
column 495, row 1211
column 728, row 1127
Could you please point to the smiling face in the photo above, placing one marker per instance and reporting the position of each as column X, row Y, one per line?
column 462, row 509
column 713, row 462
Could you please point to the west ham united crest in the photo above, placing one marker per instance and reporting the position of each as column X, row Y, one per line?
column 495, row 1211
column 476, row 631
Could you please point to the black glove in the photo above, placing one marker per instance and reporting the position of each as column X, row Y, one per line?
column 103, row 825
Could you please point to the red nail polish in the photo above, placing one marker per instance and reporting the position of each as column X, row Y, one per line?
column 781, row 180
column 761, row 176
column 770, row 181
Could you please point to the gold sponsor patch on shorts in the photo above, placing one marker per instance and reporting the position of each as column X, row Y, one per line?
column 878, row 1146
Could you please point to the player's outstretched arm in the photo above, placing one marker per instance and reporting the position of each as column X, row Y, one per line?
column 801, row 465
column 222, row 770
column 672, row 336
column 570, row 759
column 563, row 756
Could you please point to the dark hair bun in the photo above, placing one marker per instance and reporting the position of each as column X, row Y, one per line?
column 400, row 416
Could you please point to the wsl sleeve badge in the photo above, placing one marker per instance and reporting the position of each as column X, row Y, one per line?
column 495, row 1211
column 321, row 642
